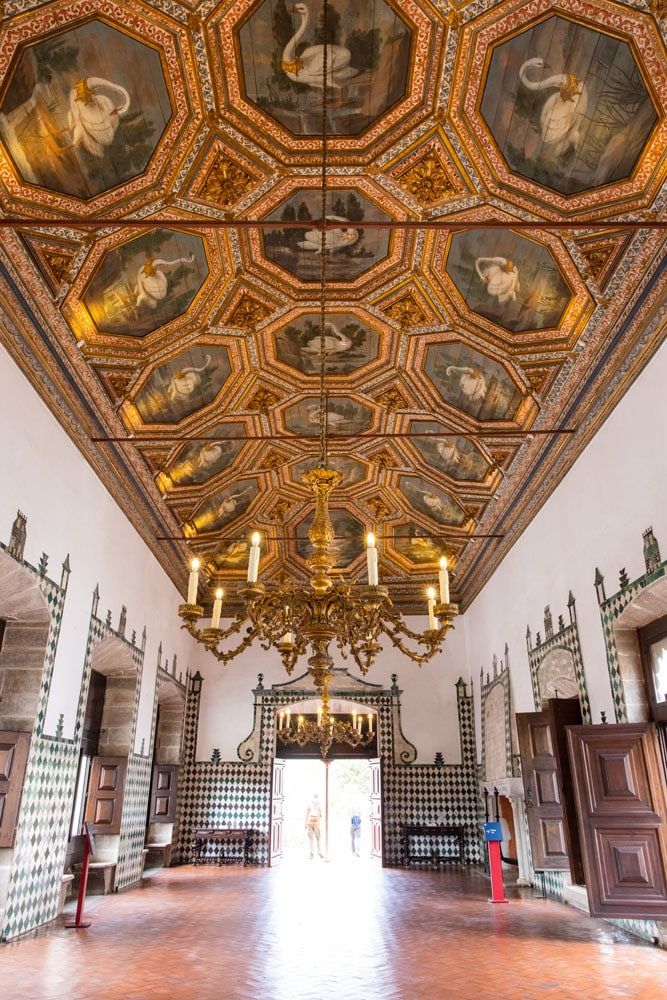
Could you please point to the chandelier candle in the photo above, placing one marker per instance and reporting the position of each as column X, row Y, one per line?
column 217, row 608
column 193, row 582
column 444, row 581
column 372, row 560
column 432, row 623
column 253, row 560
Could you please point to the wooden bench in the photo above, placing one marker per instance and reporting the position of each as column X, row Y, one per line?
column 101, row 877
column 208, row 846
column 158, row 855
column 421, row 830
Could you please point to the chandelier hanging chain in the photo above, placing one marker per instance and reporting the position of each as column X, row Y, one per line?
column 323, row 408
column 296, row 620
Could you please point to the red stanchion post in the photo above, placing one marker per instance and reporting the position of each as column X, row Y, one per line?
column 493, row 836
column 87, row 852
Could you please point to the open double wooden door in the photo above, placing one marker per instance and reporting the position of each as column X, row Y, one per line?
column 277, row 813
column 621, row 803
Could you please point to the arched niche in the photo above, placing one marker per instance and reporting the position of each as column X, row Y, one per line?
column 169, row 722
column 556, row 676
column 25, row 621
column 113, row 658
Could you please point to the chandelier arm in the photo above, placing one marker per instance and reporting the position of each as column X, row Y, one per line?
column 205, row 635
column 434, row 642
column 224, row 656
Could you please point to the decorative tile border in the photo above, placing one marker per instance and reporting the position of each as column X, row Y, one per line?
column 567, row 637
column 612, row 607
column 499, row 679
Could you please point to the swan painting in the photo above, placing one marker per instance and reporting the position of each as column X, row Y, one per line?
column 186, row 381
column 93, row 115
column 331, row 240
column 500, row 277
column 335, row 342
column 471, row 381
column 210, row 454
column 335, row 421
column 227, row 507
column 563, row 111
column 152, row 285
column 308, row 66
column 367, row 49
column 83, row 108
column 440, row 509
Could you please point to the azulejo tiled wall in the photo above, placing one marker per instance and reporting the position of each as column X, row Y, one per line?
column 36, row 869
column 238, row 793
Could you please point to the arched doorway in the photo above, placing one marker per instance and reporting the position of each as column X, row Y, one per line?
column 169, row 720
column 25, row 624
column 107, row 742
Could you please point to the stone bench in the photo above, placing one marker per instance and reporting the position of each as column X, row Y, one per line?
column 101, row 876
column 158, row 855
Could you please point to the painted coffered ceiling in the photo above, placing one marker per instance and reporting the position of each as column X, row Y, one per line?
column 160, row 256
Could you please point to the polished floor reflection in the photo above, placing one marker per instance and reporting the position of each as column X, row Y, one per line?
column 313, row 931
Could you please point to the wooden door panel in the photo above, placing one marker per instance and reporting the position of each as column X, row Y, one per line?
column 545, row 765
column 277, row 813
column 14, row 747
column 376, row 809
column 104, row 806
column 621, row 803
column 543, row 798
column 163, row 793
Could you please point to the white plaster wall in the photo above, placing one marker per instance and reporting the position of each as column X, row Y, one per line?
column 428, row 704
column 596, row 516
column 70, row 511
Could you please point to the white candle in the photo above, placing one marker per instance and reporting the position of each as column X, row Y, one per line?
column 288, row 719
column 430, row 593
column 354, row 720
column 217, row 608
column 444, row 581
column 370, row 724
column 300, row 721
column 372, row 560
column 193, row 582
column 253, row 560
column 280, row 721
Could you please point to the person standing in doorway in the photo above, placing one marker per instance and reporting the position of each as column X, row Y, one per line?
column 313, row 819
column 355, row 831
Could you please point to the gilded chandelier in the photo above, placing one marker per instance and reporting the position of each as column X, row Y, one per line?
column 326, row 731
column 297, row 620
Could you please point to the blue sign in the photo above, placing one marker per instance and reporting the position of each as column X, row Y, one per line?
column 493, row 831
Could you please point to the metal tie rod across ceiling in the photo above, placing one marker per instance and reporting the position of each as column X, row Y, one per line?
column 160, row 438
column 151, row 222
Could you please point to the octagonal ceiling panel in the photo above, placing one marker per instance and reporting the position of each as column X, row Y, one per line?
column 225, row 506
column 574, row 111
column 85, row 109
column 147, row 282
column 349, row 537
column 457, row 457
column 508, row 279
column 472, row 382
column 432, row 501
column 561, row 104
column 348, row 345
column 183, row 385
column 350, row 249
column 200, row 461
column 381, row 70
column 345, row 415
column 416, row 544
column 282, row 63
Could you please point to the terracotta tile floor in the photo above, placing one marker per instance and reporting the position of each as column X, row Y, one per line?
column 316, row 931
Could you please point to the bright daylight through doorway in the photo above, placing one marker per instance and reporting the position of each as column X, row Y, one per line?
column 349, row 794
